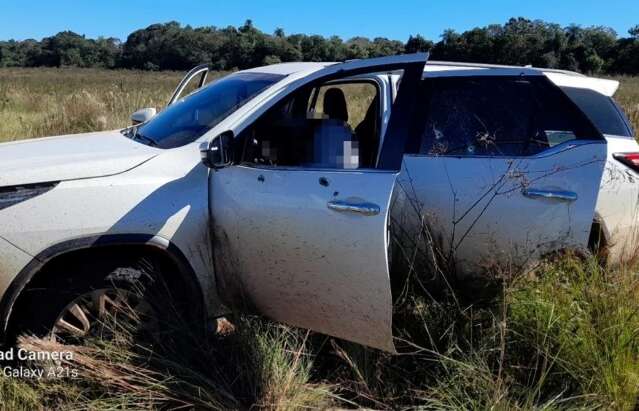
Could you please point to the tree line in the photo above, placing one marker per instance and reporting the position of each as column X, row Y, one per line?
column 171, row 46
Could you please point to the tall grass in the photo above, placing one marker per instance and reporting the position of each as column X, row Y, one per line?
column 47, row 101
column 582, row 324
column 41, row 102
column 261, row 365
column 563, row 336
column 628, row 97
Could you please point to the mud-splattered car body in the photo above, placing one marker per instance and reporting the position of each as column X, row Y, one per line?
column 495, row 208
column 267, row 198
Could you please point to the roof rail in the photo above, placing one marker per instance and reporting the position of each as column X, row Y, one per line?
column 498, row 66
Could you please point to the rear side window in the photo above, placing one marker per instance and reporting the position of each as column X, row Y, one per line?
column 497, row 116
column 601, row 110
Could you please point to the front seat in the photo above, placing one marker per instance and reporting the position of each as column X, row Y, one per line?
column 335, row 104
column 333, row 145
column 367, row 135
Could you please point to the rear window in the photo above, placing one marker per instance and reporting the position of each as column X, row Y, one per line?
column 496, row 116
column 602, row 111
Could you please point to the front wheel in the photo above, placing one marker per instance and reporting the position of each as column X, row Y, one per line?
column 92, row 299
column 101, row 313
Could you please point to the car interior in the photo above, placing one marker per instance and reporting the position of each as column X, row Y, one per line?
column 335, row 125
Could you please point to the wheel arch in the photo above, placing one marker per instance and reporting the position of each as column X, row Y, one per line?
column 598, row 240
column 134, row 244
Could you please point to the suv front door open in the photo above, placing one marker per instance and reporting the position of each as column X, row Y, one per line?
column 193, row 80
column 305, row 242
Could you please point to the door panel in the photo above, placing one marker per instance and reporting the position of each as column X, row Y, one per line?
column 300, row 259
column 488, row 210
column 193, row 80
column 309, row 247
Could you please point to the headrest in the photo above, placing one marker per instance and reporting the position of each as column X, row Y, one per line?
column 335, row 104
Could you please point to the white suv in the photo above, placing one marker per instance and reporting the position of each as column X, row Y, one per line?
column 274, row 189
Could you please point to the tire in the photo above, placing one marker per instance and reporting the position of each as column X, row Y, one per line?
column 40, row 306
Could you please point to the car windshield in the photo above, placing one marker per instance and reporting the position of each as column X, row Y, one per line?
column 189, row 118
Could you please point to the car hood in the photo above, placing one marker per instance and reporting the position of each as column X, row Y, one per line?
column 70, row 157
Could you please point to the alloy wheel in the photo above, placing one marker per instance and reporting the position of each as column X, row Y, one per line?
column 99, row 312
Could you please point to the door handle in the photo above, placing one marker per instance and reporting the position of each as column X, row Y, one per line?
column 550, row 194
column 353, row 207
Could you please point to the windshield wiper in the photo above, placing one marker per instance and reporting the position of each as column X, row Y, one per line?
column 144, row 139
column 134, row 134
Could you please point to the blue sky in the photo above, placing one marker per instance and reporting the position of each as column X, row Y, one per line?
column 346, row 18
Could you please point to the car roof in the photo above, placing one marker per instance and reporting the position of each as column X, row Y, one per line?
column 289, row 68
column 431, row 66
column 562, row 78
column 434, row 65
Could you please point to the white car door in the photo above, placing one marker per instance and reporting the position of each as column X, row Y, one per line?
column 306, row 244
column 503, row 170
column 193, row 80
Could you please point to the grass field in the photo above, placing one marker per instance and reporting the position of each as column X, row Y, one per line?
column 41, row 102
column 563, row 337
column 44, row 102
column 628, row 97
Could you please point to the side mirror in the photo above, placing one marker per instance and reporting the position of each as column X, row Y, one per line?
column 219, row 153
column 143, row 115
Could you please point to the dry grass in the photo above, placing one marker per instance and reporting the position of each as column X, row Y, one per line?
column 42, row 102
column 628, row 97
column 563, row 337
column 260, row 365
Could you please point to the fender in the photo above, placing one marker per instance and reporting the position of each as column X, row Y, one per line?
column 44, row 257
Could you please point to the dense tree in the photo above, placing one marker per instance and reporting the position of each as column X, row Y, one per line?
column 64, row 49
column 171, row 46
column 416, row 44
column 626, row 54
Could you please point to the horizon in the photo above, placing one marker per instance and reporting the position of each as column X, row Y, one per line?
column 105, row 20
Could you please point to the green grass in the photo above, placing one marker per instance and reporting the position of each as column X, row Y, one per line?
column 582, row 323
column 561, row 337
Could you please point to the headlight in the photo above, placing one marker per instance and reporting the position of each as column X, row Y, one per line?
column 17, row 194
